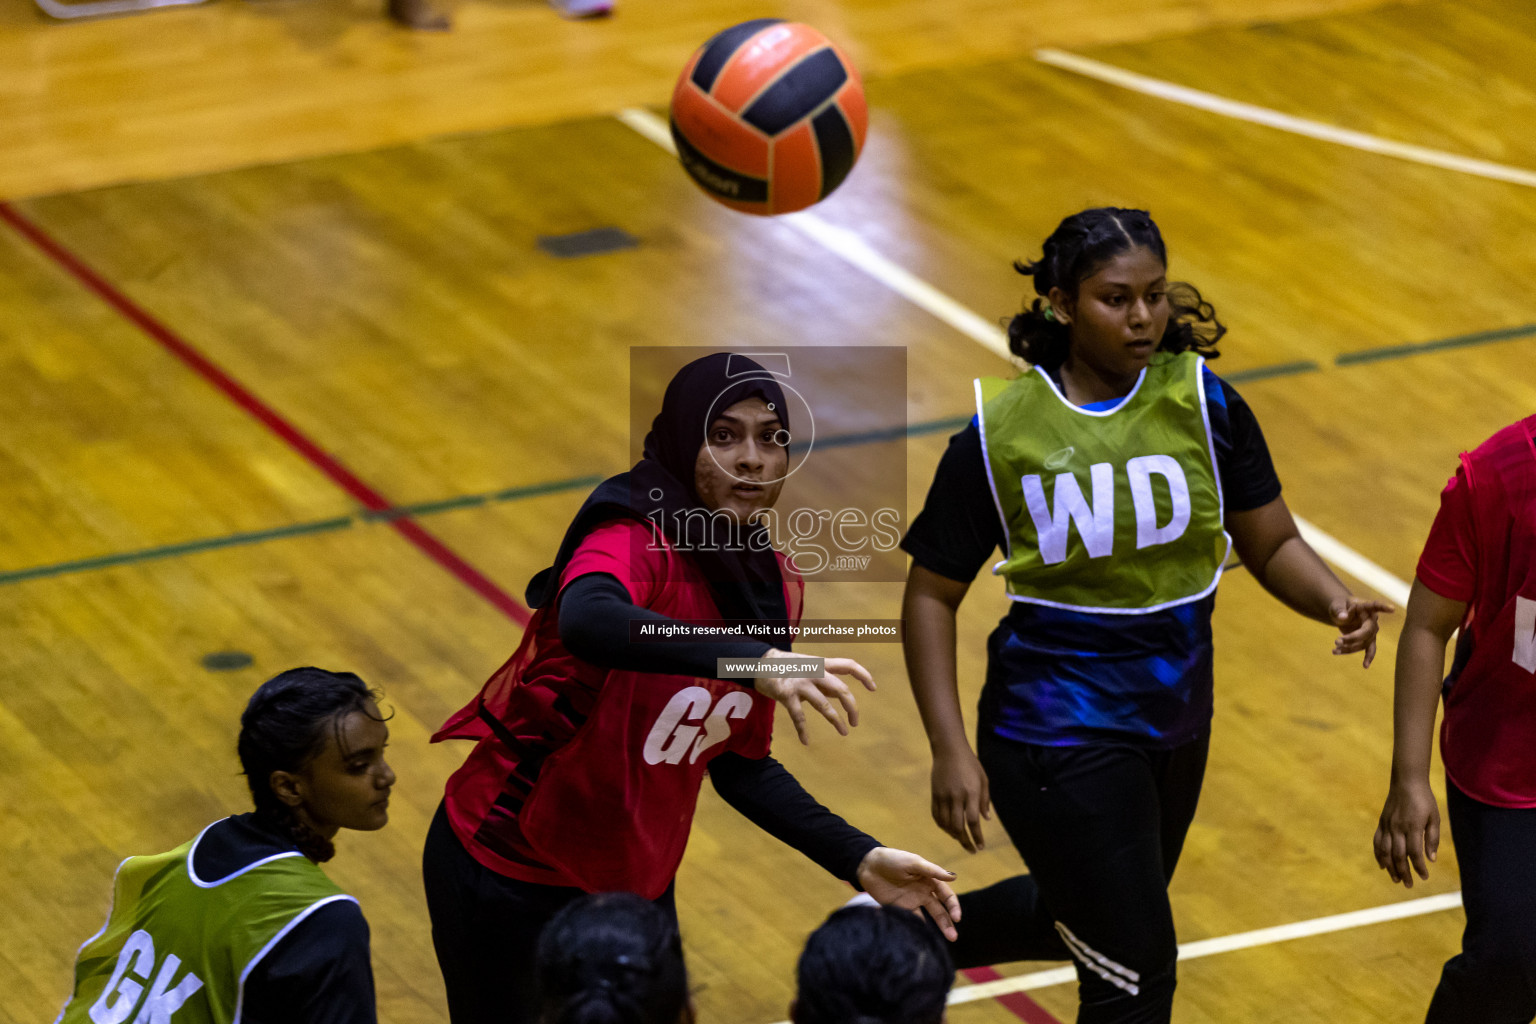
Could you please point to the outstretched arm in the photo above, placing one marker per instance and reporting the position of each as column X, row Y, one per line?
column 771, row 798
column 597, row 615
column 959, row 784
column 1408, row 834
column 824, row 693
column 1272, row 549
column 766, row 794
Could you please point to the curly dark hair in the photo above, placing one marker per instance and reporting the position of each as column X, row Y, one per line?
column 1078, row 249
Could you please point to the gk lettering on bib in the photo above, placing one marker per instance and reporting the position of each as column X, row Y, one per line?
column 135, row 967
column 1116, row 511
column 176, row 948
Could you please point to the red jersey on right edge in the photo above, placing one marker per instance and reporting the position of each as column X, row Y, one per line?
column 1482, row 550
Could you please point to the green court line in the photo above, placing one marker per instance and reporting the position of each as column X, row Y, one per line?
column 885, row 434
column 1264, row 372
column 938, row 426
column 296, row 530
column 1371, row 355
column 172, row 550
column 427, row 508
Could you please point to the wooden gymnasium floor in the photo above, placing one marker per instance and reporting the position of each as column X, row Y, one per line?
column 342, row 216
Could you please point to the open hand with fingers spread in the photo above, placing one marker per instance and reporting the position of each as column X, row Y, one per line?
column 823, row 693
column 896, row 878
column 1356, row 619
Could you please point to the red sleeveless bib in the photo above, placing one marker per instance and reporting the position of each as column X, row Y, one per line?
column 589, row 777
column 1488, row 738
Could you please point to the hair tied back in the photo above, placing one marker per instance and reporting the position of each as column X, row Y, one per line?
column 1080, row 246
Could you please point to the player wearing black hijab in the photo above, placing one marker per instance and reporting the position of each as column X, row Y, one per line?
column 592, row 744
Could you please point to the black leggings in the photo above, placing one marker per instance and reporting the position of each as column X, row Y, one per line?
column 1100, row 827
column 485, row 928
column 1493, row 979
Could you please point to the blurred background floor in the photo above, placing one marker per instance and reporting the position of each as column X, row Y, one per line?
column 342, row 216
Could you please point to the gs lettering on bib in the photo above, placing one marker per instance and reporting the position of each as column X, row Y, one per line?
column 613, row 806
column 1117, row 511
column 589, row 777
column 674, row 735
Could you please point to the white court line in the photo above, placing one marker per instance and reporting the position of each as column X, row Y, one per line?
column 1285, row 122
column 1221, row 944
column 1224, row 944
column 850, row 247
column 1354, row 563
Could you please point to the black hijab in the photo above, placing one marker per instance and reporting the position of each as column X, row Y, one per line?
column 743, row 572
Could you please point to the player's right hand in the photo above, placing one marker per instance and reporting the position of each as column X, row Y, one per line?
column 961, row 796
column 819, row 692
column 1408, row 834
column 896, row 878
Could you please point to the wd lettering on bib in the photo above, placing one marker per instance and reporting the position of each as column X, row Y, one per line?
column 1116, row 511
column 1095, row 521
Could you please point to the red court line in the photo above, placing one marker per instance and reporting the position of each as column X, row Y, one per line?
column 269, row 417
column 1023, row 1007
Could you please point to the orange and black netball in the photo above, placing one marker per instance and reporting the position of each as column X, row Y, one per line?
column 769, row 117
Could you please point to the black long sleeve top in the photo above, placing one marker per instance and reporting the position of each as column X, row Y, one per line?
column 595, row 615
column 321, row 971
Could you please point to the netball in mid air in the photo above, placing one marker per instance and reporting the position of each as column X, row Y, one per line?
column 769, row 117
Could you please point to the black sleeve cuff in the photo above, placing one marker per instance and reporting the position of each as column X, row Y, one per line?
column 771, row 798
